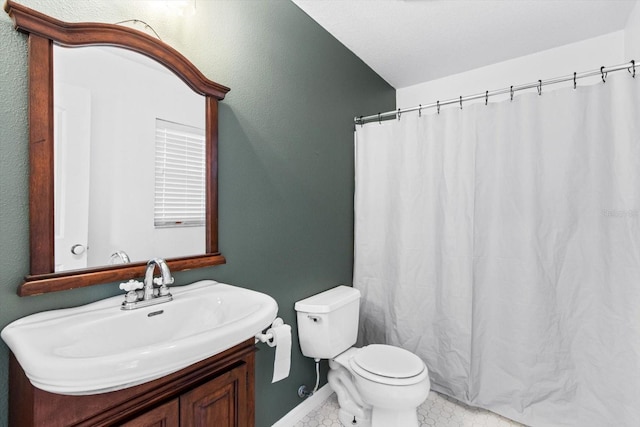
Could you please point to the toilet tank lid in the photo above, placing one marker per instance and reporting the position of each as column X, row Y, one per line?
column 329, row 300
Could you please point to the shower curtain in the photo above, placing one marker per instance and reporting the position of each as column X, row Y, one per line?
column 501, row 244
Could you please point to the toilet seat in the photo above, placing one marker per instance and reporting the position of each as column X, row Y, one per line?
column 387, row 364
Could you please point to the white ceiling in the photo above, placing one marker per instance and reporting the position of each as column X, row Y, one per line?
column 413, row 41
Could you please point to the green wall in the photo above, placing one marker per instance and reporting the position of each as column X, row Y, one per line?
column 286, row 159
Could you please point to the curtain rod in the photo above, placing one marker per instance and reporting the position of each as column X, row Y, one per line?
column 629, row 66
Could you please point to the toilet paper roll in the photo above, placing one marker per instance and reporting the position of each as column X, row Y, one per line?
column 282, row 342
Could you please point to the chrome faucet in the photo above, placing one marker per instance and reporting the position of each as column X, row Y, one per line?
column 165, row 279
column 119, row 257
column 146, row 294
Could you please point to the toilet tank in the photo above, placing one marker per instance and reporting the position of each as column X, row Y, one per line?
column 328, row 322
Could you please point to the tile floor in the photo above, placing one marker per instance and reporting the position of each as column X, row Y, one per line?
column 438, row 411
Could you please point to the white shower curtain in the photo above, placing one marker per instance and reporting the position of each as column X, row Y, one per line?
column 501, row 244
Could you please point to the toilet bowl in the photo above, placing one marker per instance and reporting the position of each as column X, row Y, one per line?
column 377, row 385
column 390, row 383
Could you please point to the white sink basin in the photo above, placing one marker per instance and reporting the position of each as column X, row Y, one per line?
column 98, row 347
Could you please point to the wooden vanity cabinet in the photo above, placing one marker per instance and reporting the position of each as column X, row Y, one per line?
column 165, row 415
column 218, row 391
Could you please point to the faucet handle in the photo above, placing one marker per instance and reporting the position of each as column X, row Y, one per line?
column 163, row 289
column 131, row 285
column 160, row 281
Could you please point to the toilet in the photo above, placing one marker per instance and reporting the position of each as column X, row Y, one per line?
column 376, row 385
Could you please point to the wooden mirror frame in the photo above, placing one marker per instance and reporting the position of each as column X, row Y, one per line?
column 43, row 32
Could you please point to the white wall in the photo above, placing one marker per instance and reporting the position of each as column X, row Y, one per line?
column 585, row 55
column 126, row 99
column 632, row 35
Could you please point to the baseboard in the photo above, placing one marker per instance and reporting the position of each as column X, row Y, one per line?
column 306, row 406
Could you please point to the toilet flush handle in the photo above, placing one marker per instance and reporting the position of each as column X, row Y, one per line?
column 315, row 319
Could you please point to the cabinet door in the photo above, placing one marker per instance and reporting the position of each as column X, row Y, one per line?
column 218, row 402
column 163, row 416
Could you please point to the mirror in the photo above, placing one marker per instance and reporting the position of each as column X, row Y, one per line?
column 45, row 126
column 128, row 159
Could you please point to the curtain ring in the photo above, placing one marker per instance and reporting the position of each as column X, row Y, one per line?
column 486, row 97
column 511, row 91
column 399, row 112
column 539, row 87
column 461, row 102
column 419, row 110
column 438, row 106
column 574, row 80
column 633, row 66
column 603, row 74
column 361, row 122
column 379, row 121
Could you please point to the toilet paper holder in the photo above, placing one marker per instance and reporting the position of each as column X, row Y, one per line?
column 268, row 337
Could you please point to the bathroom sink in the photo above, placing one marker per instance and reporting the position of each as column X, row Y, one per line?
column 98, row 347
